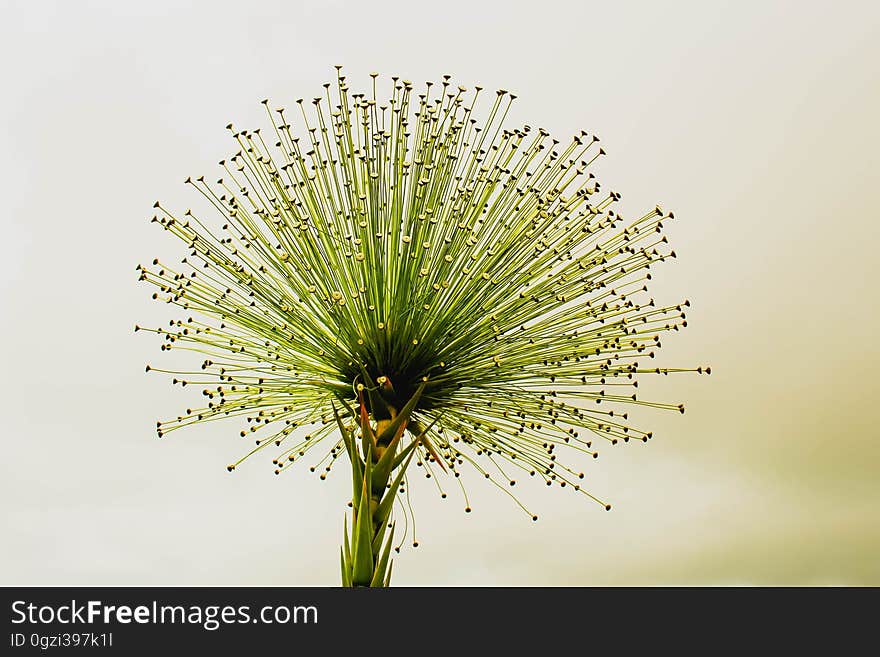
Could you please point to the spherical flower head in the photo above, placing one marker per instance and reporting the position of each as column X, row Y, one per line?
column 366, row 250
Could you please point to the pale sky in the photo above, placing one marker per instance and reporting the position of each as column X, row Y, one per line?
column 755, row 122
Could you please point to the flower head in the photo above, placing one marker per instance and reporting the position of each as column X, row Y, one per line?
column 402, row 245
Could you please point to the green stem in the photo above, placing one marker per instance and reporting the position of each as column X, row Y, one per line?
column 371, row 547
column 366, row 552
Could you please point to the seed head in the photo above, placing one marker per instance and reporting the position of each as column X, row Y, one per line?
column 370, row 246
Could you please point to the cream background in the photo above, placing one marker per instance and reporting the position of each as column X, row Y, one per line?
column 756, row 122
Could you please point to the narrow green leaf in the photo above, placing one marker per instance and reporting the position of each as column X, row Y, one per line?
column 368, row 440
column 400, row 458
column 357, row 481
column 354, row 457
column 383, row 468
column 379, row 534
column 346, row 436
column 349, row 409
column 402, row 416
column 345, row 544
column 427, row 443
column 346, row 573
column 362, row 556
column 388, row 575
column 416, row 440
column 368, row 474
column 376, row 400
column 387, row 503
column 379, row 574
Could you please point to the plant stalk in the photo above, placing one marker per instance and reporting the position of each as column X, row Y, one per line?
column 378, row 466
